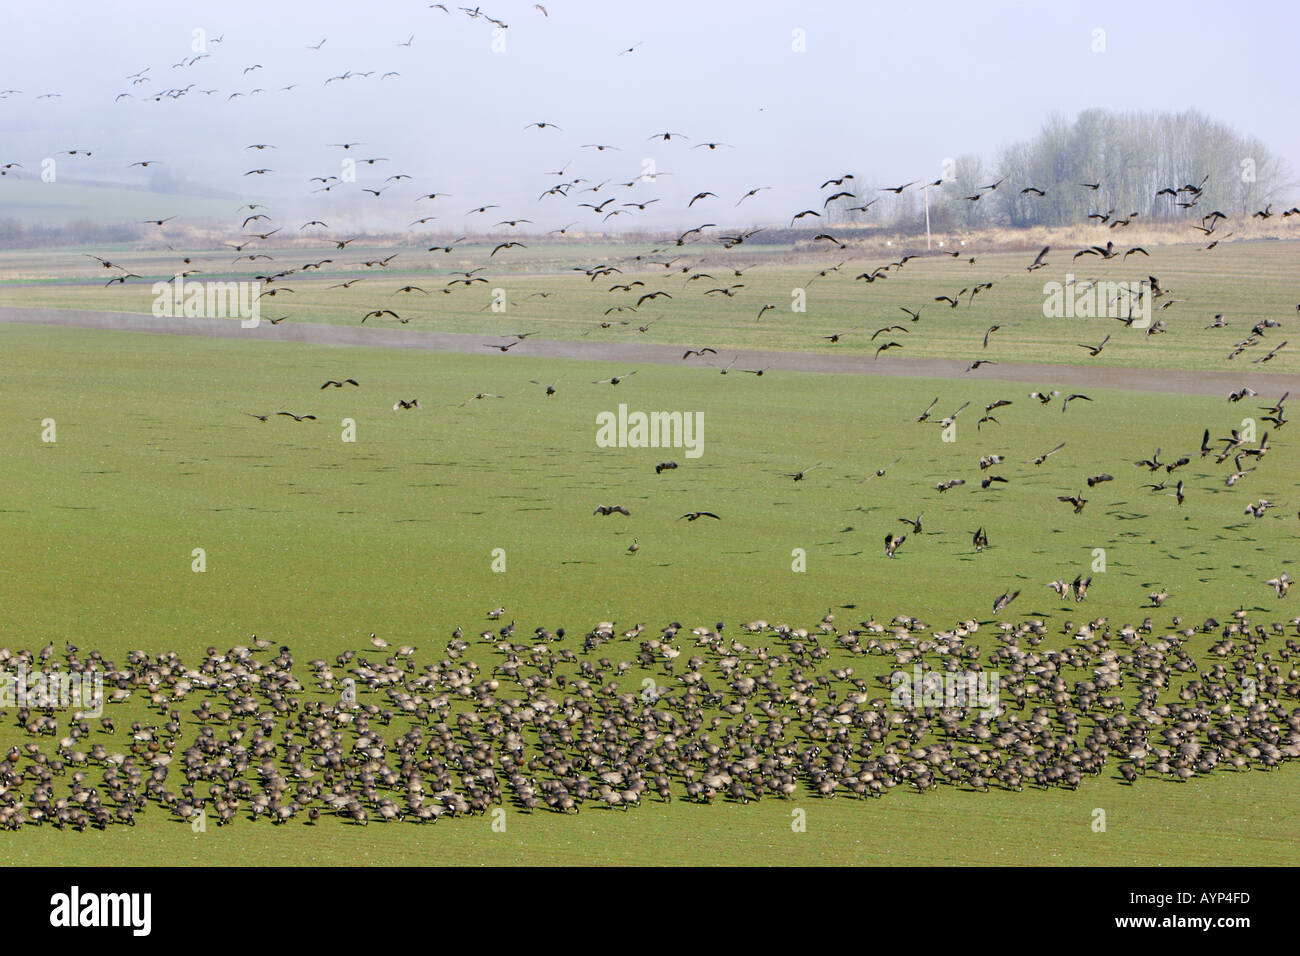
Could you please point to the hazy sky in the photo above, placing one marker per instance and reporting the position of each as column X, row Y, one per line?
column 885, row 90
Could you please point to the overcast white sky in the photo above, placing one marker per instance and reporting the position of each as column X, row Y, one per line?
column 885, row 90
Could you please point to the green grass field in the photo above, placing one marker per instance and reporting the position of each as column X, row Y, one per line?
column 316, row 543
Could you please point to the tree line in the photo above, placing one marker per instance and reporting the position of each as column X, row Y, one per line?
column 1129, row 156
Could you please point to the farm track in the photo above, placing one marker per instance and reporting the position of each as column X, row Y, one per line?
column 1169, row 381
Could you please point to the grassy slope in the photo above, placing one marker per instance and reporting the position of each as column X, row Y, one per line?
column 59, row 203
column 317, row 543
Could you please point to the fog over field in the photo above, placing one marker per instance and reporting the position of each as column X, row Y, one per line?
column 797, row 92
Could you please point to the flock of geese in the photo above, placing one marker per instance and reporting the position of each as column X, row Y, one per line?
column 1238, row 457
column 613, row 718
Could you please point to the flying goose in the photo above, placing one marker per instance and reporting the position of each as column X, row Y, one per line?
column 1077, row 500
column 892, row 544
column 799, row 475
column 1004, row 600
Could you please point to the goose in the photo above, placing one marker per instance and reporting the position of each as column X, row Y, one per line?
column 799, row 475
column 1046, row 455
column 614, row 380
column 946, row 422
column 1006, row 598
column 1178, row 493
column 1076, row 500
column 914, row 524
column 550, row 389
